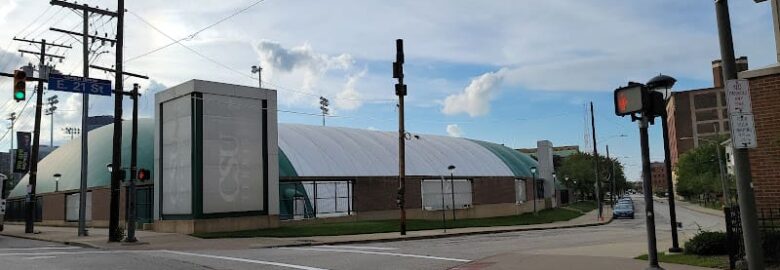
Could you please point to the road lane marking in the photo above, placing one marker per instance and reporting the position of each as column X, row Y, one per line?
column 40, row 257
column 38, row 248
column 357, row 247
column 302, row 267
column 378, row 253
column 56, row 253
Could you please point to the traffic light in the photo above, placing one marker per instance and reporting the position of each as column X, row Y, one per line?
column 143, row 174
column 20, row 85
column 630, row 99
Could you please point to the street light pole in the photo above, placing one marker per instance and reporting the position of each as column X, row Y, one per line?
column 663, row 84
column 533, row 184
column 452, row 189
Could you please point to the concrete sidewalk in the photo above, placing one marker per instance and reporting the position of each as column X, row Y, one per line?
column 509, row 261
column 153, row 240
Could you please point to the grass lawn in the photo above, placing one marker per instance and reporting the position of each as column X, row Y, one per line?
column 583, row 206
column 720, row 262
column 381, row 226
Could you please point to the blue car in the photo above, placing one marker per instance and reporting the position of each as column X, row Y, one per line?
column 623, row 210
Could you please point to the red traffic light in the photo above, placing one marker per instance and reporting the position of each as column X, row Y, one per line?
column 629, row 99
column 143, row 174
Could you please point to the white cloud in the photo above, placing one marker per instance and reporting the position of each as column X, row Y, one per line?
column 312, row 65
column 349, row 98
column 475, row 98
column 454, row 130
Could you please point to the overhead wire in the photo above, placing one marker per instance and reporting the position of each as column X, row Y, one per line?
column 192, row 35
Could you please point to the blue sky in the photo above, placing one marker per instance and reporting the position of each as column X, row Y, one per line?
column 511, row 72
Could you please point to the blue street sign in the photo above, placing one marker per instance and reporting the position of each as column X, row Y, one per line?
column 75, row 84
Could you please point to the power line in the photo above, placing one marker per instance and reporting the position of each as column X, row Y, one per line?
column 191, row 36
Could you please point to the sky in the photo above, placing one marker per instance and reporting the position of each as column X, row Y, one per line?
column 511, row 72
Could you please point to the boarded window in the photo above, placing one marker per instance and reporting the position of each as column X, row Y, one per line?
column 72, row 206
column 438, row 195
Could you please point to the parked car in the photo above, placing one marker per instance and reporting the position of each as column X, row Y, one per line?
column 623, row 210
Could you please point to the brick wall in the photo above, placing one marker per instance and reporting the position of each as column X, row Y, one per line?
column 494, row 190
column 765, row 160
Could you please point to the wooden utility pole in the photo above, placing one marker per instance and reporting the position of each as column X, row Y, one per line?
column 596, row 161
column 131, row 190
column 85, row 37
column 30, row 201
column 400, row 91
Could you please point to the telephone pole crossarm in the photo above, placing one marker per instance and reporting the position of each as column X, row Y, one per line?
column 83, row 7
column 123, row 73
column 81, row 34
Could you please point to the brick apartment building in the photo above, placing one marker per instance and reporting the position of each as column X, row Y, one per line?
column 699, row 115
column 658, row 177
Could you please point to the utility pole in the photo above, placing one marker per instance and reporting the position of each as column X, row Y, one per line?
column 596, row 161
column 131, row 190
column 612, row 180
column 12, row 117
column 51, row 102
column 85, row 37
column 747, row 201
column 116, row 159
column 30, row 218
column 400, row 91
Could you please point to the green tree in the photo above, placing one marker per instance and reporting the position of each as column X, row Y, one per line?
column 577, row 173
column 698, row 172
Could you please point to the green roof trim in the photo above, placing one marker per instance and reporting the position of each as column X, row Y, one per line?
column 286, row 168
column 519, row 163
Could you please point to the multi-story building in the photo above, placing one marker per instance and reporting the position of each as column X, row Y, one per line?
column 658, row 176
column 698, row 116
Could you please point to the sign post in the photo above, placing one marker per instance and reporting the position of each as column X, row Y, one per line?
column 740, row 108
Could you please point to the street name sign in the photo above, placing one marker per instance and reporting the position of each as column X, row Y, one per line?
column 738, row 97
column 75, row 84
column 743, row 131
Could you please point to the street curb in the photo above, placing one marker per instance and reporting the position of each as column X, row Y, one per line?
column 695, row 209
column 69, row 243
column 423, row 237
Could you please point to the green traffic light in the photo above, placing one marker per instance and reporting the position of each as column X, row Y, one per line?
column 19, row 95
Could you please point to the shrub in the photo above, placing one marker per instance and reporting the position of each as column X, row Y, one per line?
column 772, row 246
column 707, row 243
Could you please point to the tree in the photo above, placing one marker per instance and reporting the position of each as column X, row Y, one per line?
column 698, row 172
column 577, row 173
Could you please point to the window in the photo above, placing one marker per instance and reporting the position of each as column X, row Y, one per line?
column 72, row 207
column 310, row 199
column 438, row 194
column 520, row 196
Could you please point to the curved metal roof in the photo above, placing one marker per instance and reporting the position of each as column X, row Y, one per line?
column 306, row 151
column 337, row 152
column 67, row 162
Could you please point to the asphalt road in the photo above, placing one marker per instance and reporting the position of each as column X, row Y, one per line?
column 622, row 238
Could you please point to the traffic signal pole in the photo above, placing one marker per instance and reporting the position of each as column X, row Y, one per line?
column 652, row 250
column 133, row 169
column 747, row 201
